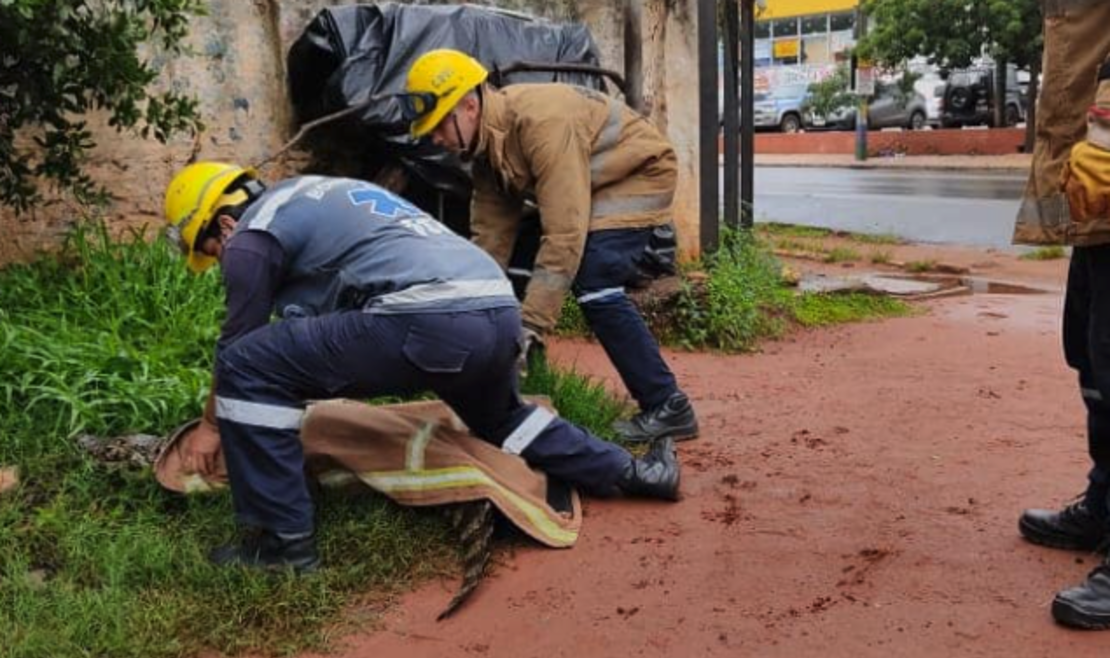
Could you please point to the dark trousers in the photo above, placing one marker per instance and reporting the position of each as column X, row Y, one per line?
column 608, row 265
column 467, row 358
column 1087, row 349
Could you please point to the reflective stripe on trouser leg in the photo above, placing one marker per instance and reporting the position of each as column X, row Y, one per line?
column 493, row 410
column 260, row 439
column 572, row 454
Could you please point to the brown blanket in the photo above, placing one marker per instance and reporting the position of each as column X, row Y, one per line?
column 418, row 454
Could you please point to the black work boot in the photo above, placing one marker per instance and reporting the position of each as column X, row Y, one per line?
column 1073, row 528
column 655, row 475
column 262, row 549
column 1086, row 606
column 674, row 418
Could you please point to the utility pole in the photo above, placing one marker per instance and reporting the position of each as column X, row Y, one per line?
column 864, row 84
column 708, row 193
column 739, row 135
column 747, row 136
column 732, row 113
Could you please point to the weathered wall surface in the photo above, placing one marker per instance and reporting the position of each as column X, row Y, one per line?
column 238, row 74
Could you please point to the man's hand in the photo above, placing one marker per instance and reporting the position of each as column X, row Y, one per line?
column 201, row 449
column 531, row 342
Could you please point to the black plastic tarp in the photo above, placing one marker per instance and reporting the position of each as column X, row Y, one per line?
column 349, row 54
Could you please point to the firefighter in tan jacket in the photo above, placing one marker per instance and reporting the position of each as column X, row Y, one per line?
column 1067, row 202
column 603, row 179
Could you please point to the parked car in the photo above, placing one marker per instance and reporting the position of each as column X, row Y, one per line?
column 891, row 107
column 783, row 108
column 967, row 99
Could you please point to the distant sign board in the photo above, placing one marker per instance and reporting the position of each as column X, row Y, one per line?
column 785, row 48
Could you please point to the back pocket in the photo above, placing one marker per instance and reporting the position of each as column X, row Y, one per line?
column 434, row 354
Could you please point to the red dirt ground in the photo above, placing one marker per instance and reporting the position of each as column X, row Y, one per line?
column 854, row 492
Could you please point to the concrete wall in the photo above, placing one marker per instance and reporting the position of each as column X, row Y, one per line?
column 238, row 74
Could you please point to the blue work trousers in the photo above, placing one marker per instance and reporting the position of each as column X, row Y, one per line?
column 608, row 265
column 467, row 358
column 1087, row 349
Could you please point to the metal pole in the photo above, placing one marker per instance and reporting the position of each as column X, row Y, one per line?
column 862, row 107
column 732, row 115
column 861, row 129
column 747, row 137
column 634, row 54
column 707, row 126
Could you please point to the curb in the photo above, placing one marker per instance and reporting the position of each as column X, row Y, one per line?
column 911, row 166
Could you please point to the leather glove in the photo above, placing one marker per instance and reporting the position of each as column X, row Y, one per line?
column 531, row 346
column 1086, row 175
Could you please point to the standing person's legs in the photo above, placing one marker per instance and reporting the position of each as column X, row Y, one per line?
column 608, row 265
column 1088, row 604
column 1083, row 524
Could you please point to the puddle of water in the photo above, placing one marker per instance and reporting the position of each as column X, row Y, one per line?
column 976, row 285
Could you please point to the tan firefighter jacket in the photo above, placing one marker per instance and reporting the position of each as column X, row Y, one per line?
column 417, row 454
column 587, row 161
column 1077, row 45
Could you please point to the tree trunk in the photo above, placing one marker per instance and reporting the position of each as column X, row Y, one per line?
column 1031, row 112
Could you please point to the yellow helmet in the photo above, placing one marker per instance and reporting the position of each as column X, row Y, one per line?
column 192, row 199
column 436, row 83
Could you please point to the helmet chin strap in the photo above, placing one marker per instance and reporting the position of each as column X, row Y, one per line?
column 458, row 132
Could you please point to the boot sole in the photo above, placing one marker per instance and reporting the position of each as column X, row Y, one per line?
column 678, row 436
column 1035, row 534
column 1068, row 615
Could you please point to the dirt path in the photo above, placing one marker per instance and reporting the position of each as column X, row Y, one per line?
column 854, row 493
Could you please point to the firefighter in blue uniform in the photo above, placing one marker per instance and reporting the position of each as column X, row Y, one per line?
column 375, row 298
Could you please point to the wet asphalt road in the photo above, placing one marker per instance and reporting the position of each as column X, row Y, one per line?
column 948, row 207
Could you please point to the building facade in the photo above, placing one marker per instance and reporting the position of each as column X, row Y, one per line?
column 803, row 40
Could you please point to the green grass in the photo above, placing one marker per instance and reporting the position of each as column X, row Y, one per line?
column 921, row 266
column 1054, row 252
column 823, row 310
column 115, row 337
column 841, row 255
column 876, row 239
column 779, row 230
column 746, row 301
column 792, row 244
column 880, row 257
column 571, row 320
column 791, row 230
column 743, row 301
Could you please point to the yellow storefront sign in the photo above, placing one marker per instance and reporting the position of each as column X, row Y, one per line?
column 788, row 8
column 787, row 48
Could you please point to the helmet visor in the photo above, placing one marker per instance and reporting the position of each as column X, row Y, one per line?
column 417, row 104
